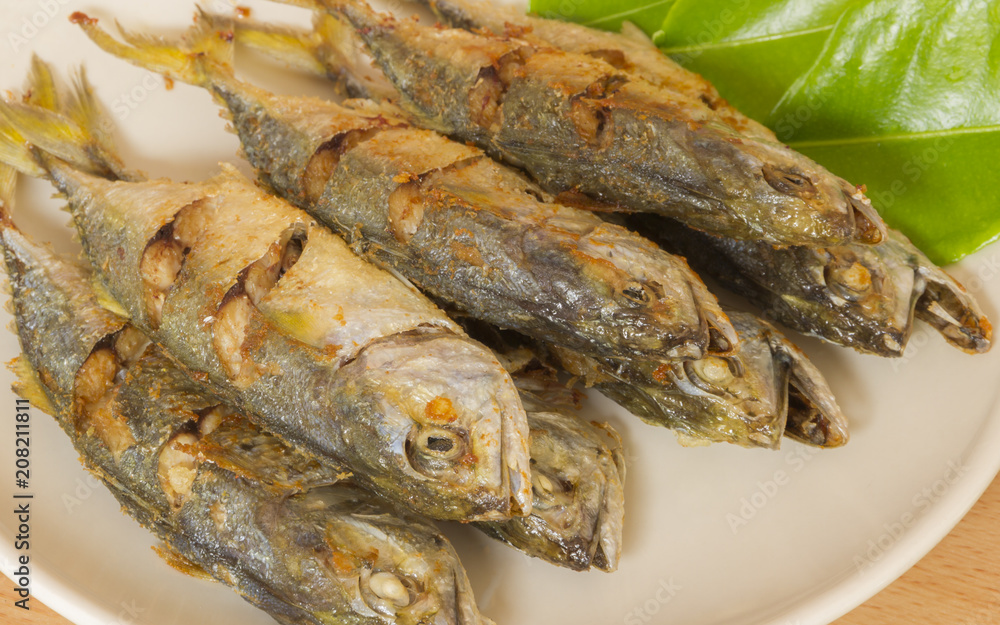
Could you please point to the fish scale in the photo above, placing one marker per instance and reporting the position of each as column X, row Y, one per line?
column 575, row 122
column 267, row 533
column 451, row 220
column 353, row 399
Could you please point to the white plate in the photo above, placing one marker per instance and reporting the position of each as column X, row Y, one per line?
column 717, row 535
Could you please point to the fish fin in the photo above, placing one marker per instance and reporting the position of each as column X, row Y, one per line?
column 348, row 62
column 91, row 117
column 52, row 133
column 28, row 385
column 8, row 184
column 205, row 51
column 105, row 300
column 40, row 89
column 177, row 561
column 296, row 47
column 14, row 151
column 954, row 312
column 687, row 440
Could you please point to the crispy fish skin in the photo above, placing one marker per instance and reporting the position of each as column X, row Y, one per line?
column 459, row 225
column 576, row 123
column 287, row 325
column 766, row 390
column 864, row 297
column 630, row 51
column 294, row 542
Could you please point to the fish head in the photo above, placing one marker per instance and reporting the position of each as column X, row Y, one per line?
column 800, row 202
column 388, row 566
column 660, row 308
column 869, row 292
column 446, row 421
column 767, row 388
column 738, row 398
column 871, row 295
column 577, row 475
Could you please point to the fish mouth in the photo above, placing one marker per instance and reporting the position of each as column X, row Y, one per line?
column 813, row 418
column 611, row 520
column 953, row 312
column 869, row 229
column 464, row 610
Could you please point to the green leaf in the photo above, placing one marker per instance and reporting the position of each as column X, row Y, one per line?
column 605, row 14
column 895, row 66
column 751, row 50
column 715, row 22
column 906, row 98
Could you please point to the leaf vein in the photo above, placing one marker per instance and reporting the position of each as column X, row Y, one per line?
column 895, row 137
column 609, row 18
column 733, row 43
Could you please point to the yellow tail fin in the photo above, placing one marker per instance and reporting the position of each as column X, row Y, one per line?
column 73, row 129
column 8, row 183
column 293, row 46
column 206, row 49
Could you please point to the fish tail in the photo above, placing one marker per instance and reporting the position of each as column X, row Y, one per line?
column 8, row 184
column 295, row 47
column 14, row 151
column 305, row 4
column 205, row 52
column 45, row 125
column 40, row 89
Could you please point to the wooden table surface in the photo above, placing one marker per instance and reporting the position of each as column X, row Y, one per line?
column 958, row 583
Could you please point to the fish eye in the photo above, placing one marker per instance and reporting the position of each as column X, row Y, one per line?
column 389, row 587
column 849, row 280
column 386, row 592
column 636, row 294
column 433, row 449
column 440, row 442
column 548, row 490
column 788, row 182
column 713, row 373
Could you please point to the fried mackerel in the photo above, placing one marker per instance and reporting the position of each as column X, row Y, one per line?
column 630, row 51
column 860, row 296
column 281, row 320
column 231, row 502
column 766, row 390
column 578, row 124
column 451, row 220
